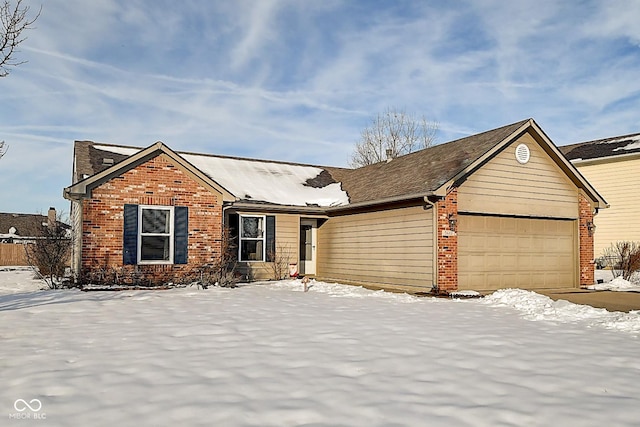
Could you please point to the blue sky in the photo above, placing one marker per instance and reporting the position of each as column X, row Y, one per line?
column 297, row 80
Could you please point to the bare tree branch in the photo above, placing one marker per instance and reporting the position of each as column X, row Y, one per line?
column 3, row 148
column 13, row 21
column 391, row 134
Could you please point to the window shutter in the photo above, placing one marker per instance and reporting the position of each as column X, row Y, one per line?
column 271, row 238
column 130, row 238
column 181, row 235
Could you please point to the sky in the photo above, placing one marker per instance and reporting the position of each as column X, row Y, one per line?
column 299, row 80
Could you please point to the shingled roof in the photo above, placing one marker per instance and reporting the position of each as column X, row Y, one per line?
column 25, row 225
column 602, row 148
column 420, row 172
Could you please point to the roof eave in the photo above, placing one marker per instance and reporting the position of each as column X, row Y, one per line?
column 605, row 159
column 384, row 201
column 267, row 207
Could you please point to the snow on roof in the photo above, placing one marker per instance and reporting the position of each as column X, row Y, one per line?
column 259, row 180
column 634, row 142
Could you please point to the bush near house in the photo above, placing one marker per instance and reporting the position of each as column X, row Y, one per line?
column 623, row 258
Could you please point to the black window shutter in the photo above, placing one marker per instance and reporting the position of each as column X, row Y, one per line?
column 181, row 235
column 130, row 238
column 233, row 226
column 271, row 238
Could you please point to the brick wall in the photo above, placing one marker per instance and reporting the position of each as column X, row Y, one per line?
column 586, row 243
column 447, row 243
column 156, row 182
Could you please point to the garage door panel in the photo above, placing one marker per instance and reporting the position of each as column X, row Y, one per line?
column 499, row 252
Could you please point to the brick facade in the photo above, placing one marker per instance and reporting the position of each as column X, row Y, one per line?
column 155, row 182
column 586, row 242
column 447, row 243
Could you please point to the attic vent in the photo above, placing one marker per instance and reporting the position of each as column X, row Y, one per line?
column 107, row 162
column 522, row 154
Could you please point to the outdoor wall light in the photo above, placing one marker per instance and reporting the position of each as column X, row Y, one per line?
column 591, row 227
column 452, row 221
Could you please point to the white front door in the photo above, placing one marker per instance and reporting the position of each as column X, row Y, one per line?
column 308, row 238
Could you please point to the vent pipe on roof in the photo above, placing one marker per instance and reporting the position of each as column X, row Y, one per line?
column 389, row 154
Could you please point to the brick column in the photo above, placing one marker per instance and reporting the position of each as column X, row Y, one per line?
column 447, row 243
column 586, row 242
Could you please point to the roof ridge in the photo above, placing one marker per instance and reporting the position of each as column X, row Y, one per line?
column 220, row 156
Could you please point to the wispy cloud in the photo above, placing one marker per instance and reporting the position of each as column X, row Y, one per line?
column 297, row 81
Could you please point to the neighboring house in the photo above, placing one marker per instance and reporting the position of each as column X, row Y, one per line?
column 22, row 228
column 612, row 165
column 503, row 208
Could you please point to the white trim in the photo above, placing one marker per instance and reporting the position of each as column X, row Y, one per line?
column 171, row 234
column 263, row 238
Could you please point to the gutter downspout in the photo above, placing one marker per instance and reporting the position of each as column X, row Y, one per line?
column 434, row 261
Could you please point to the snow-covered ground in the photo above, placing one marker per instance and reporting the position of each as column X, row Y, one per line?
column 617, row 284
column 273, row 355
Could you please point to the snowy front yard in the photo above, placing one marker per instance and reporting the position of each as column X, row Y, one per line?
column 273, row 355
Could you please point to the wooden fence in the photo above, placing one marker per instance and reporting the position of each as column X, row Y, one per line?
column 12, row 254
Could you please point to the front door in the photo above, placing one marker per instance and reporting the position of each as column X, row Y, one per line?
column 308, row 237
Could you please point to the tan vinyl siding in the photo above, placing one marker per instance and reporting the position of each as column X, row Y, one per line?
column 392, row 247
column 504, row 186
column 619, row 183
column 287, row 231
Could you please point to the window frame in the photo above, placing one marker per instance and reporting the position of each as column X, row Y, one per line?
column 170, row 235
column 262, row 239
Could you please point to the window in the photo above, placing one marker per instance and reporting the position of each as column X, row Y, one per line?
column 156, row 230
column 155, row 234
column 252, row 238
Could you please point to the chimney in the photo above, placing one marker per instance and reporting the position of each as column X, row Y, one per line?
column 389, row 155
column 52, row 217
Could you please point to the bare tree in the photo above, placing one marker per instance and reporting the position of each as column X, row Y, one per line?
column 3, row 148
column 50, row 252
column 392, row 133
column 13, row 21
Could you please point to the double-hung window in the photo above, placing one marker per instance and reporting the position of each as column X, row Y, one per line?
column 252, row 238
column 156, row 234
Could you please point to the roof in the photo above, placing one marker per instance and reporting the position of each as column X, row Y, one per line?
column 251, row 180
column 26, row 225
column 420, row 172
column 431, row 171
column 603, row 148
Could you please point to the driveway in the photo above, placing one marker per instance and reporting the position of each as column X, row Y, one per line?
column 612, row 301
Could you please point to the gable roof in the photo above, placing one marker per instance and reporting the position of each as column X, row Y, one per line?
column 83, row 188
column 606, row 148
column 421, row 172
column 428, row 172
column 240, row 179
column 432, row 171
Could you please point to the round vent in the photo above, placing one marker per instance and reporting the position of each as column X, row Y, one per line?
column 522, row 154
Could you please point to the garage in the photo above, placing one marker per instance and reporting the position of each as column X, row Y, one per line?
column 516, row 252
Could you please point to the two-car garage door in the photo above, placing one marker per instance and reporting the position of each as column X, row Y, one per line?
column 501, row 252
